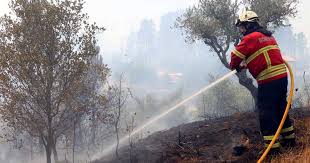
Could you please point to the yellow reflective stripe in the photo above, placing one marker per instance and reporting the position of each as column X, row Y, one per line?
column 268, row 137
column 270, row 70
column 275, row 145
column 284, row 130
column 237, row 53
column 292, row 136
column 267, row 58
column 273, row 74
column 260, row 51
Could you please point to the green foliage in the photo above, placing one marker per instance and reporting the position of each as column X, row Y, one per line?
column 213, row 20
column 274, row 12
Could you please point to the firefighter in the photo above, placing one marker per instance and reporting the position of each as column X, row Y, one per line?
column 259, row 51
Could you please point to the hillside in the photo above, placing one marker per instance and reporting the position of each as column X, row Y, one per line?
column 302, row 152
column 228, row 139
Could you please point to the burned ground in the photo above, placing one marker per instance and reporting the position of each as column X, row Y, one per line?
column 228, row 139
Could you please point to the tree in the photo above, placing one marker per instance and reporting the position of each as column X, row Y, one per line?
column 118, row 97
column 97, row 104
column 46, row 49
column 212, row 21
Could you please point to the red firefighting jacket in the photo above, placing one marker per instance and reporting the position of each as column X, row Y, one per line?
column 262, row 56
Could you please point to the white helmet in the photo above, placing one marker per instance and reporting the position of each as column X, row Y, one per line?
column 247, row 16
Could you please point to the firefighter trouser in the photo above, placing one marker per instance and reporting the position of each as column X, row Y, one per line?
column 271, row 105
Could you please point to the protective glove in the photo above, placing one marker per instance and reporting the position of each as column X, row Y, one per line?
column 238, row 69
column 241, row 67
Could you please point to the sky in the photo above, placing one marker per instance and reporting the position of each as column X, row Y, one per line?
column 120, row 17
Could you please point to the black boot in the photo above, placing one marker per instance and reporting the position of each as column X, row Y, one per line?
column 288, row 143
column 274, row 152
column 288, row 137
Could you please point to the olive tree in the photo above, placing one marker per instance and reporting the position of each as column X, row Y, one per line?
column 212, row 21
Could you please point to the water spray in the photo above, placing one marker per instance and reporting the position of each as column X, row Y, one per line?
column 122, row 141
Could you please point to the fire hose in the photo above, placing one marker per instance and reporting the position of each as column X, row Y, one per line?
column 284, row 115
column 156, row 118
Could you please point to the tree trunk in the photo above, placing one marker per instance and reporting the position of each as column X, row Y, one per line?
column 73, row 142
column 117, row 140
column 244, row 80
column 31, row 150
column 49, row 139
column 247, row 82
column 119, row 105
column 41, row 148
column 48, row 155
column 55, row 152
column 93, row 129
column 48, row 149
